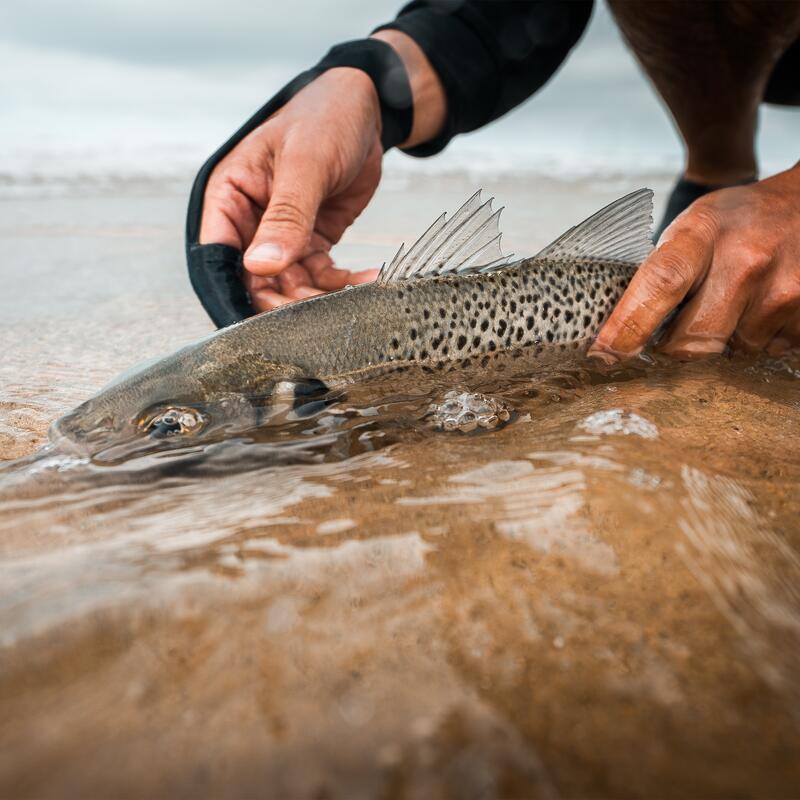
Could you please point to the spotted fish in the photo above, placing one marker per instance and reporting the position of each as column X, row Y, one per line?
column 451, row 297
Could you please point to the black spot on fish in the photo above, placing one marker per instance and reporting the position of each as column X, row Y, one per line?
column 413, row 334
column 476, row 340
column 400, row 294
column 474, row 295
column 513, row 307
column 529, row 323
column 452, row 325
column 423, row 355
column 568, row 315
column 520, row 333
column 442, row 313
column 467, row 305
column 426, row 313
column 587, row 320
column 462, row 342
column 501, row 327
column 473, row 322
column 556, row 312
column 492, row 345
column 485, row 325
column 395, row 344
column 550, row 336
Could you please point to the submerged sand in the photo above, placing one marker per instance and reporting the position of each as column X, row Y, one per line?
column 599, row 599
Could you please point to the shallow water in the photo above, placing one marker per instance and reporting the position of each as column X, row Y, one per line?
column 600, row 597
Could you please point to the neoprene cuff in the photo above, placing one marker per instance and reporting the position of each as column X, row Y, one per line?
column 215, row 270
column 388, row 73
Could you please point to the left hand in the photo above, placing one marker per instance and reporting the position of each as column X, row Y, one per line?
column 734, row 256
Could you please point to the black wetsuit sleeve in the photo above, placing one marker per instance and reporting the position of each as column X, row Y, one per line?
column 490, row 54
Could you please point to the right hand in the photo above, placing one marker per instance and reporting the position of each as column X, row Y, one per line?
column 289, row 190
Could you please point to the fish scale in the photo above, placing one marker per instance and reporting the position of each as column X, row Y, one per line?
column 451, row 297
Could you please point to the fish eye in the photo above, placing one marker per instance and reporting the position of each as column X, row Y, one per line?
column 175, row 421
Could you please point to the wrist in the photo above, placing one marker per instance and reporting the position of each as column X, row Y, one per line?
column 353, row 82
column 429, row 99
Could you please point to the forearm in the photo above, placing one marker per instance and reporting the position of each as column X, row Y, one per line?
column 488, row 57
column 430, row 102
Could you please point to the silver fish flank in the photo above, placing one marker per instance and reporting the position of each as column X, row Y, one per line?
column 450, row 299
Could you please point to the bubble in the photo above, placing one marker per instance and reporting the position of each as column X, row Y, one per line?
column 466, row 412
column 616, row 420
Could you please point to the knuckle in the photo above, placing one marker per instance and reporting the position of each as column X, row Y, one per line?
column 286, row 214
column 703, row 217
column 669, row 275
column 753, row 259
column 633, row 328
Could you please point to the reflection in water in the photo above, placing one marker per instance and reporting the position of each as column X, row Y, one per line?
column 751, row 574
column 350, row 604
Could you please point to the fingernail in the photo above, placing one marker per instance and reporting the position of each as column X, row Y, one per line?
column 266, row 252
column 601, row 355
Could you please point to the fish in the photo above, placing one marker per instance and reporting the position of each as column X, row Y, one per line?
column 451, row 298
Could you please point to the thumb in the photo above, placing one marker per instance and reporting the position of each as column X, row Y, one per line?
column 285, row 229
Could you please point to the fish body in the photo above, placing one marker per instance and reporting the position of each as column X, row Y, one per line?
column 451, row 298
column 372, row 328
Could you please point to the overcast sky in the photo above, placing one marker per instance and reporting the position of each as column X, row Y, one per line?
column 106, row 84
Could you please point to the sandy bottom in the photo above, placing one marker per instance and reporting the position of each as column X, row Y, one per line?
column 598, row 599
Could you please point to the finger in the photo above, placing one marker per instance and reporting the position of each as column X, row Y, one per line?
column 325, row 275
column 363, row 276
column 707, row 323
column 302, row 292
column 269, row 299
column 787, row 338
column 293, row 276
column 663, row 280
column 284, row 233
column 255, row 282
column 771, row 310
column 229, row 216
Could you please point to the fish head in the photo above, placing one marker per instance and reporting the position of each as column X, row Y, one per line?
column 189, row 397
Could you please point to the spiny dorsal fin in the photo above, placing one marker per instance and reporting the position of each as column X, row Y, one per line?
column 467, row 242
column 619, row 232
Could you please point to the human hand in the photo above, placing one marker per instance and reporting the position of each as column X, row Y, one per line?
column 734, row 256
column 288, row 191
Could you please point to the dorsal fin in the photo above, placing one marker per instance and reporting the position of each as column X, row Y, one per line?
column 467, row 242
column 619, row 232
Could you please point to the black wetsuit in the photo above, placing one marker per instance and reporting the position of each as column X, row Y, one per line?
column 491, row 55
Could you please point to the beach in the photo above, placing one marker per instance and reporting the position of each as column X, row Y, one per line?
column 597, row 599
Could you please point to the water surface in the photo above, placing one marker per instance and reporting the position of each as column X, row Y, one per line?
column 598, row 598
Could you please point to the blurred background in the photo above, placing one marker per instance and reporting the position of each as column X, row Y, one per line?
column 100, row 89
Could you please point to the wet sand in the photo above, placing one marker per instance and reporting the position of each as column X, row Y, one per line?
column 599, row 599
